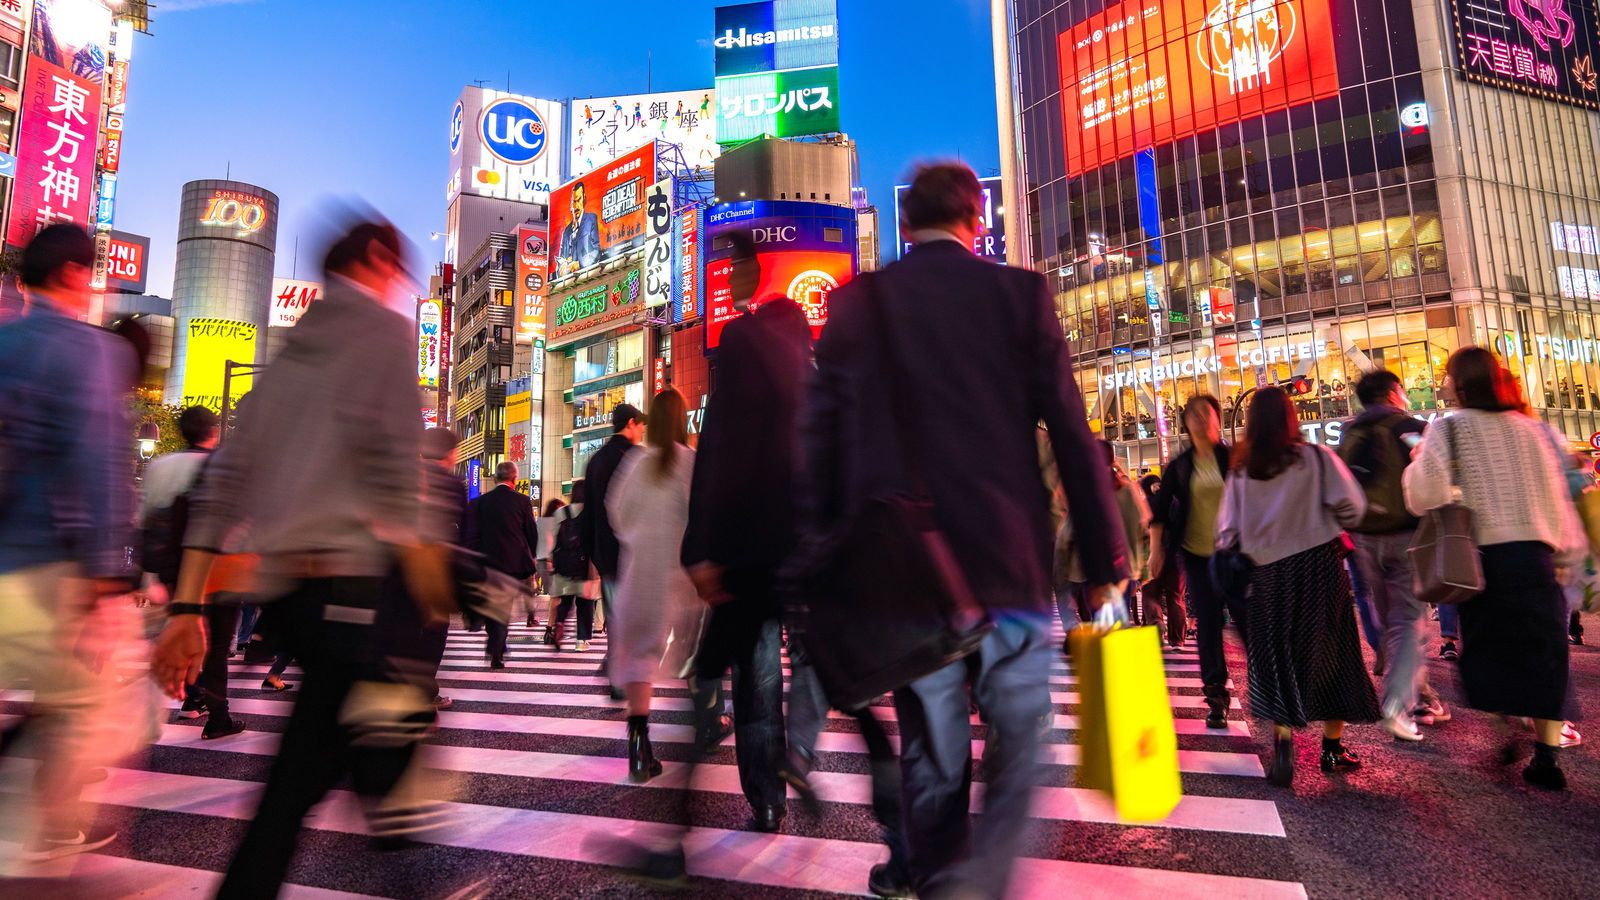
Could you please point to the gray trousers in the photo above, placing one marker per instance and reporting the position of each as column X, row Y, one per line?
column 1009, row 678
column 1387, row 570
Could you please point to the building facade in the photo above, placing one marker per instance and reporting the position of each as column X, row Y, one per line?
column 1226, row 195
column 222, row 286
column 482, row 355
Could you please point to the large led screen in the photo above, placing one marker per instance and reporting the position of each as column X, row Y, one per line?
column 1148, row 72
column 806, row 250
column 1541, row 48
column 600, row 216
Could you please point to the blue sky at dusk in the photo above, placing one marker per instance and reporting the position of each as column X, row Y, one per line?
column 316, row 100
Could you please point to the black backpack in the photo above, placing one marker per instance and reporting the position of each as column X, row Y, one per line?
column 568, row 557
column 161, row 539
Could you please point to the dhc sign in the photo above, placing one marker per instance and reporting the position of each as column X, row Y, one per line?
column 512, row 131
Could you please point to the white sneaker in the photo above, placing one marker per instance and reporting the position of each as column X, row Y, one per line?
column 1431, row 712
column 1403, row 728
column 1570, row 736
column 583, row 646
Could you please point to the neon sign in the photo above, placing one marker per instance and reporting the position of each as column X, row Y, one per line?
column 1540, row 47
column 231, row 209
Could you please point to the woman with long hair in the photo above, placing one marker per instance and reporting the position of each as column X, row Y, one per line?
column 1514, row 634
column 658, row 613
column 1285, row 508
column 583, row 593
column 1183, row 535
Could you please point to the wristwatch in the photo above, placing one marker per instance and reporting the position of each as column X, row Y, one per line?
column 185, row 609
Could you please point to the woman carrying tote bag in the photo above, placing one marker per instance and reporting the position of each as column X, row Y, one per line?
column 1514, row 634
column 1285, row 507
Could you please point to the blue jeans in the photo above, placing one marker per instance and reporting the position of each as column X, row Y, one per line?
column 1450, row 622
column 1371, row 621
column 1009, row 679
column 1386, row 568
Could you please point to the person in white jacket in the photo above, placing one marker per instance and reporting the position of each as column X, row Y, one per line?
column 1285, row 507
column 658, row 613
column 1514, row 634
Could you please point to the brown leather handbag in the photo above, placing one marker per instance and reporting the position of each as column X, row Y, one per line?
column 1444, row 555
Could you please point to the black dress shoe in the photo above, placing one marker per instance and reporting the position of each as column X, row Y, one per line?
column 658, row 869
column 890, row 880
column 1281, row 772
column 497, row 664
column 227, row 727
column 767, row 818
column 1216, row 719
column 1336, row 757
column 1543, row 772
column 642, row 762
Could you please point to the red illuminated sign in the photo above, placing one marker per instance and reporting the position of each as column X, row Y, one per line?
column 1148, row 72
column 805, row 276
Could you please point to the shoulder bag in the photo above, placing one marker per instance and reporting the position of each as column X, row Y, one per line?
column 1444, row 556
column 881, row 601
column 1230, row 568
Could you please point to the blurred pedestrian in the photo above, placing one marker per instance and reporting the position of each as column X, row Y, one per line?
column 1162, row 594
column 324, row 468
column 169, row 481
column 444, row 521
column 66, row 533
column 1377, row 448
column 599, row 541
column 1285, row 508
column 938, row 331
column 1514, row 642
column 742, row 521
column 500, row 525
column 574, row 581
column 1072, row 605
column 546, row 528
column 1183, row 533
column 659, row 616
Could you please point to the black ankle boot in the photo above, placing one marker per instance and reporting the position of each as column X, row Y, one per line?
column 642, row 763
column 1543, row 772
column 1281, row 773
column 1335, row 756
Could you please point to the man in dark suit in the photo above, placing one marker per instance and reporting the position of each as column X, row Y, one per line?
column 599, row 541
column 971, row 356
column 742, row 521
column 501, row 527
column 580, row 239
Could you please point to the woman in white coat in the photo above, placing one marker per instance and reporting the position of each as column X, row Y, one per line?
column 658, row 615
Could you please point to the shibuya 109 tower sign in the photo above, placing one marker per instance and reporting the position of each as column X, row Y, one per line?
column 1540, row 47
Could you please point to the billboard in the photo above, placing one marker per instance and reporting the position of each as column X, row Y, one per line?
column 1148, row 72
column 290, row 300
column 126, row 259
column 74, row 35
column 600, row 215
column 55, row 150
column 690, row 264
column 1543, row 49
column 604, row 128
column 658, row 245
column 806, row 250
column 776, row 35
column 430, row 337
column 505, row 146
column 617, row 296
column 234, row 213
column 990, row 245
column 782, row 104
column 533, row 270
column 211, row 344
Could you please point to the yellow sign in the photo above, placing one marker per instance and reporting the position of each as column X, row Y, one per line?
column 211, row 344
column 519, row 408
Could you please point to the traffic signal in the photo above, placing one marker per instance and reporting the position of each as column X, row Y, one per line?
column 1296, row 387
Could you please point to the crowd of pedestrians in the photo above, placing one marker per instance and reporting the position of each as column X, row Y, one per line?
column 336, row 528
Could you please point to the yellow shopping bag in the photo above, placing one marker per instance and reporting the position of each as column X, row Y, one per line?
column 1130, row 749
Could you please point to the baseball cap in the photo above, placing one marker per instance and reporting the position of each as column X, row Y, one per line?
column 623, row 414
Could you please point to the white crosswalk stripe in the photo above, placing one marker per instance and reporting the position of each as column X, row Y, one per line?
column 547, row 719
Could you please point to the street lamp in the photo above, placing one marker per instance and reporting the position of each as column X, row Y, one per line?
column 149, row 436
column 230, row 369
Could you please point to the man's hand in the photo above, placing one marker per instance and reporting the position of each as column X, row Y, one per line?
column 427, row 573
column 1158, row 561
column 707, row 578
column 1101, row 594
column 180, row 652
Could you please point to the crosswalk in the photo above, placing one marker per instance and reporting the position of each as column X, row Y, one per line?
column 534, row 757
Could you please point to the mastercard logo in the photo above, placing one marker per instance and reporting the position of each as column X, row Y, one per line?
column 486, row 176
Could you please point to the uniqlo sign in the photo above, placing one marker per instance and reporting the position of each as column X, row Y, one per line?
column 56, row 153
column 1144, row 73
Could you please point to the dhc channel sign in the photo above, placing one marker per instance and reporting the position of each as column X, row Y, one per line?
column 512, row 131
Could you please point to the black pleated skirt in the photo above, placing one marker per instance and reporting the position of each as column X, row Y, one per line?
column 1514, row 636
column 1303, row 647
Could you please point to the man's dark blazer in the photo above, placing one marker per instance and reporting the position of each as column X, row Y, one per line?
column 500, row 525
column 981, row 361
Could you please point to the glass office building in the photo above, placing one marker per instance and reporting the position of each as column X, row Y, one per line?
column 1231, row 193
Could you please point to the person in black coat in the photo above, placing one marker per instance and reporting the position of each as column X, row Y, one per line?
column 599, row 541
column 742, row 521
column 501, row 527
column 951, row 361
